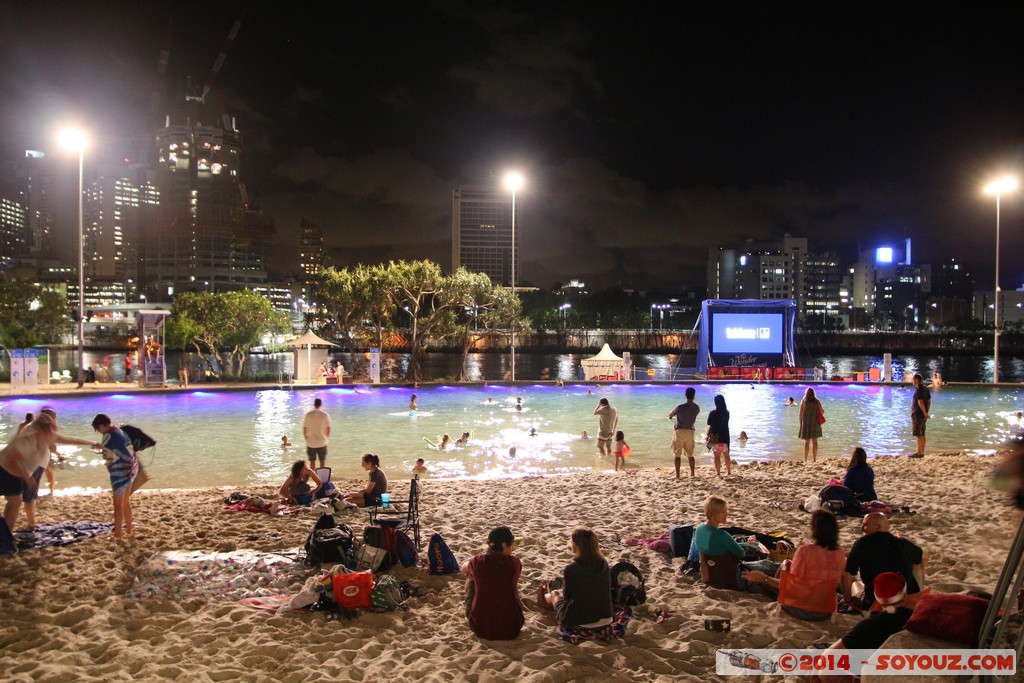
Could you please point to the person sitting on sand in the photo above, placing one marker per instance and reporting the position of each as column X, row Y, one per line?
column 119, row 455
column 378, row 483
column 860, row 478
column 420, row 467
column 889, row 590
column 582, row 600
column 493, row 607
column 822, row 560
column 462, row 440
column 877, row 552
column 712, row 540
column 296, row 488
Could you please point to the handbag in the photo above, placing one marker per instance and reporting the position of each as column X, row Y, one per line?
column 353, row 590
column 711, row 441
column 370, row 558
column 821, row 416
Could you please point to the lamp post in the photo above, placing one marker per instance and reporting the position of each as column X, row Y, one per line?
column 74, row 140
column 563, row 308
column 513, row 181
column 1006, row 184
column 659, row 307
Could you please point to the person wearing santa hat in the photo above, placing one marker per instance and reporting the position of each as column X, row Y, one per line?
column 871, row 633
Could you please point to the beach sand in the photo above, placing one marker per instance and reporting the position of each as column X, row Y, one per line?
column 64, row 616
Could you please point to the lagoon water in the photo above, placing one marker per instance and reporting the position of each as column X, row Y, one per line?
column 234, row 438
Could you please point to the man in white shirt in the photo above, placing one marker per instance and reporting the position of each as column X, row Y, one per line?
column 316, row 427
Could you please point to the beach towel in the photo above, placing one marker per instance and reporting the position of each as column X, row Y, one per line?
column 614, row 630
column 659, row 544
column 232, row 575
column 60, row 533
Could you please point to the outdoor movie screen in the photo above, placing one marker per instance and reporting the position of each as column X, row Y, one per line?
column 746, row 332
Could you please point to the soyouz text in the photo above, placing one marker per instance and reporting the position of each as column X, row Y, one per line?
column 933, row 662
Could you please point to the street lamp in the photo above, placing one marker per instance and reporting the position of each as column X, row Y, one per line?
column 74, row 140
column 1006, row 184
column 513, row 181
column 659, row 307
column 563, row 308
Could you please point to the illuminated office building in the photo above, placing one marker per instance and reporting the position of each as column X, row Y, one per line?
column 482, row 232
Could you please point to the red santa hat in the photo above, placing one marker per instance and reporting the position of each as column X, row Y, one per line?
column 890, row 589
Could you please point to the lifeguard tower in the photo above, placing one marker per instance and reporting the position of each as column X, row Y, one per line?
column 150, row 350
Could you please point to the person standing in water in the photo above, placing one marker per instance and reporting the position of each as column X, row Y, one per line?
column 316, row 428
column 608, row 420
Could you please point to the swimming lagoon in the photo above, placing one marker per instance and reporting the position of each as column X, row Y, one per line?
column 234, row 438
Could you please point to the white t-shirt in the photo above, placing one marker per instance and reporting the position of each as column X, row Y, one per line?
column 24, row 454
column 315, row 426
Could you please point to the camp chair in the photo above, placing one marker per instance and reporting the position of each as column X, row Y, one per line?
column 719, row 571
column 812, row 596
column 55, row 376
column 66, row 376
column 323, row 474
column 406, row 516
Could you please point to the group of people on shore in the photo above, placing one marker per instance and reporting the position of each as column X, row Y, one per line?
column 580, row 600
column 25, row 459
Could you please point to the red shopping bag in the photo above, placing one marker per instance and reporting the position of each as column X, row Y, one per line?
column 353, row 590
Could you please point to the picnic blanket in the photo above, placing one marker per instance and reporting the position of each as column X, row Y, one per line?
column 60, row 533
column 659, row 544
column 235, row 575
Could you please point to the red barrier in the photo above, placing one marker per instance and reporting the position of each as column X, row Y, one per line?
column 789, row 373
column 753, row 372
column 723, row 372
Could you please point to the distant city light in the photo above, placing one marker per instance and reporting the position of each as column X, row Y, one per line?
column 513, row 181
column 883, row 255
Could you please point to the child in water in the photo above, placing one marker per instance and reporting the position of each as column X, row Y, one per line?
column 519, row 404
column 285, row 443
column 462, row 440
column 420, row 468
column 445, row 440
column 621, row 448
column 412, row 402
column 583, row 436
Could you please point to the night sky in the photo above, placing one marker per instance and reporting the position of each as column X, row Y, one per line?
column 647, row 131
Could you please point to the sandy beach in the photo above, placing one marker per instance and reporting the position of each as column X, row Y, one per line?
column 65, row 615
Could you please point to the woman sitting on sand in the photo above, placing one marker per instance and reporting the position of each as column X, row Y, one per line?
column 860, row 478
column 582, row 600
column 713, row 541
column 378, row 484
column 823, row 560
column 296, row 488
column 493, row 607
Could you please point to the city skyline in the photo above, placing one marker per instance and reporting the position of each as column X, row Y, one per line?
column 645, row 137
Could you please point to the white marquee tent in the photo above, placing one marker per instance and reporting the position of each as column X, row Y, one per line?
column 603, row 366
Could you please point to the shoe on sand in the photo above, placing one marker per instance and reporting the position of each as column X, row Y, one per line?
column 916, row 455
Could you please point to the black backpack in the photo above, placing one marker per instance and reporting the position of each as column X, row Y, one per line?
column 839, row 500
column 328, row 542
column 628, row 594
column 382, row 537
column 140, row 439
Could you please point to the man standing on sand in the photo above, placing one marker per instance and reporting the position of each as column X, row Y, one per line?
column 919, row 413
column 685, row 415
column 316, row 427
column 608, row 420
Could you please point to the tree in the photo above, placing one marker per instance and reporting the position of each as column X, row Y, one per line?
column 338, row 294
column 246, row 316
column 373, row 291
column 413, row 285
column 29, row 315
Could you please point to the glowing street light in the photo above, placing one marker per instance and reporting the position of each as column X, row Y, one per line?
column 513, row 181
column 998, row 187
column 74, row 140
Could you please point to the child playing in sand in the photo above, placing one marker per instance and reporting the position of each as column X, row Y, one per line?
column 123, row 466
column 621, row 450
column 420, row 468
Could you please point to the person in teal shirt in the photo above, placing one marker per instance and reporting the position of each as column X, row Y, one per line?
column 710, row 539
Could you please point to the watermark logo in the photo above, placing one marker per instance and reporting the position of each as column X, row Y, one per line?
column 930, row 662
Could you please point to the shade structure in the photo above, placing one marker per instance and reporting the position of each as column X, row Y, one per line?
column 605, row 365
column 309, row 340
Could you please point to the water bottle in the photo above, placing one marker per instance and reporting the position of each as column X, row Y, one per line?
column 385, row 500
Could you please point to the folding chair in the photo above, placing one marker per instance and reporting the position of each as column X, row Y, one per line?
column 807, row 595
column 719, row 571
column 406, row 516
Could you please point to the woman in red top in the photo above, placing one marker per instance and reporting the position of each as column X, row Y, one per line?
column 492, row 589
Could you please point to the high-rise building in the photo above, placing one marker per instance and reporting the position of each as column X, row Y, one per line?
column 13, row 220
column 482, row 232
column 206, row 237
column 311, row 250
column 34, row 178
column 826, row 299
column 118, row 202
column 887, row 284
column 759, row 270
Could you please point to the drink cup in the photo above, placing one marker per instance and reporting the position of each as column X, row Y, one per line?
column 385, row 500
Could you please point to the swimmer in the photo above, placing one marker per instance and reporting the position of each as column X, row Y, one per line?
column 412, row 402
column 511, row 451
column 420, row 468
column 519, row 403
column 462, row 440
column 285, row 443
column 590, row 392
column 533, row 431
column 559, row 382
column 583, row 436
column 445, row 440
column 790, row 401
column 490, row 400
column 743, row 436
